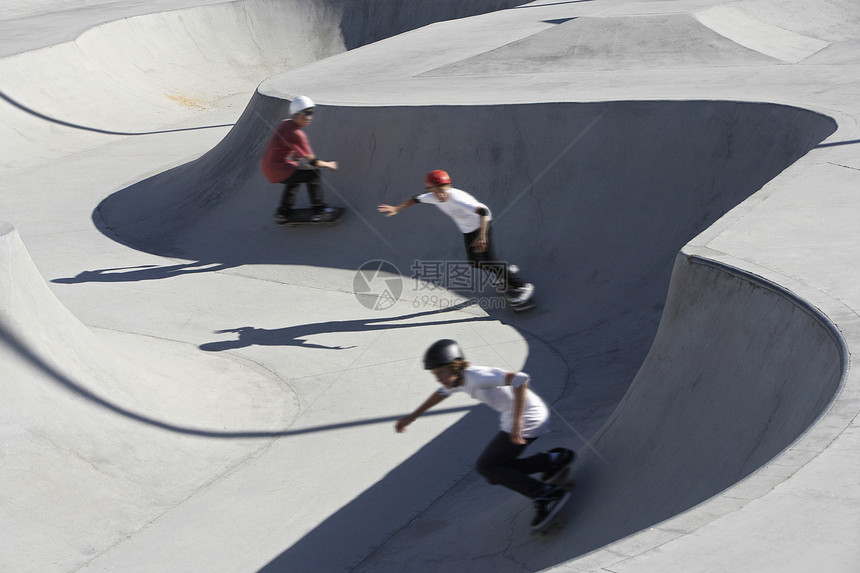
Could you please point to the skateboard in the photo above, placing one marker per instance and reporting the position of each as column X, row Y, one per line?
column 525, row 304
column 552, row 520
column 303, row 217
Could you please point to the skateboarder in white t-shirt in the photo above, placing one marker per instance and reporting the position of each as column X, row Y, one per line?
column 473, row 220
column 523, row 418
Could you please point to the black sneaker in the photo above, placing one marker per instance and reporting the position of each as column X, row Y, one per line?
column 282, row 217
column 565, row 458
column 322, row 214
column 548, row 501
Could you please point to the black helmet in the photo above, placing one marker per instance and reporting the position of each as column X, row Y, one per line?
column 442, row 352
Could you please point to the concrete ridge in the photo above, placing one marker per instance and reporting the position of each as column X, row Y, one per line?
column 648, row 550
column 75, row 399
column 773, row 41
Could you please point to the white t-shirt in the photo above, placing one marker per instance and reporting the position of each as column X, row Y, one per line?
column 460, row 206
column 487, row 384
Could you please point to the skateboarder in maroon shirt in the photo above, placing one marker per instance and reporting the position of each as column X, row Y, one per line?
column 289, row 159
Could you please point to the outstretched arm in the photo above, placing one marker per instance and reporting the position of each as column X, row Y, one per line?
column 391, row 210
column 434, row 399
column 314, row 161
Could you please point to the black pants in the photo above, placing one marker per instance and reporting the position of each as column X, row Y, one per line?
column 310, row 177
column 500, row 464
column 486, row 261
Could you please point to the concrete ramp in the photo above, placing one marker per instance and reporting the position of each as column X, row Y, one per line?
column 141, row 74
column 130, row 77
column 94, row 419
column 733, row 23
column 597, row 230
column 227, row 402
column 738, row 369
column 610, row 43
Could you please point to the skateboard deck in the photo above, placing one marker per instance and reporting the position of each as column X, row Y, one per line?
column 553, row 519
column 526, row 304
column 303, row 217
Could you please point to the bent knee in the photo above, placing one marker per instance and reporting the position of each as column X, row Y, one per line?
column 488, row 472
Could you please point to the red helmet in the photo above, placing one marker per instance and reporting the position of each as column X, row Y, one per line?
column 437, row 177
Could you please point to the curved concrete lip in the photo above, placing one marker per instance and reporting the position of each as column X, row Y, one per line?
column 153, row 258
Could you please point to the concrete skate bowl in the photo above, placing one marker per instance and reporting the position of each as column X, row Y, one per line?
column 594, row 202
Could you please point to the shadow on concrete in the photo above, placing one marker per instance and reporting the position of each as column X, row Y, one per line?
column 293, row 335
column 537, row 5
column 838, row 143
column 21, row 349
column 367, row 21
column 143, row 273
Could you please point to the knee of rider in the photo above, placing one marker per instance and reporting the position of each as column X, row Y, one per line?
column 487, row 471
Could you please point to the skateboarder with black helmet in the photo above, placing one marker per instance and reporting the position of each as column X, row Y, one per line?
column 523, row 418
column 473, row 219
column 289, row 159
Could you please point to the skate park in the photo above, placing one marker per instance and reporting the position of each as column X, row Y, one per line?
column 191, row 387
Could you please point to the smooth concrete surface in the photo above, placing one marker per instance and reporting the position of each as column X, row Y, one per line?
column 200, row 389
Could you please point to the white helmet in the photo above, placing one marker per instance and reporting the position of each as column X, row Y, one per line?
column 301, row 103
